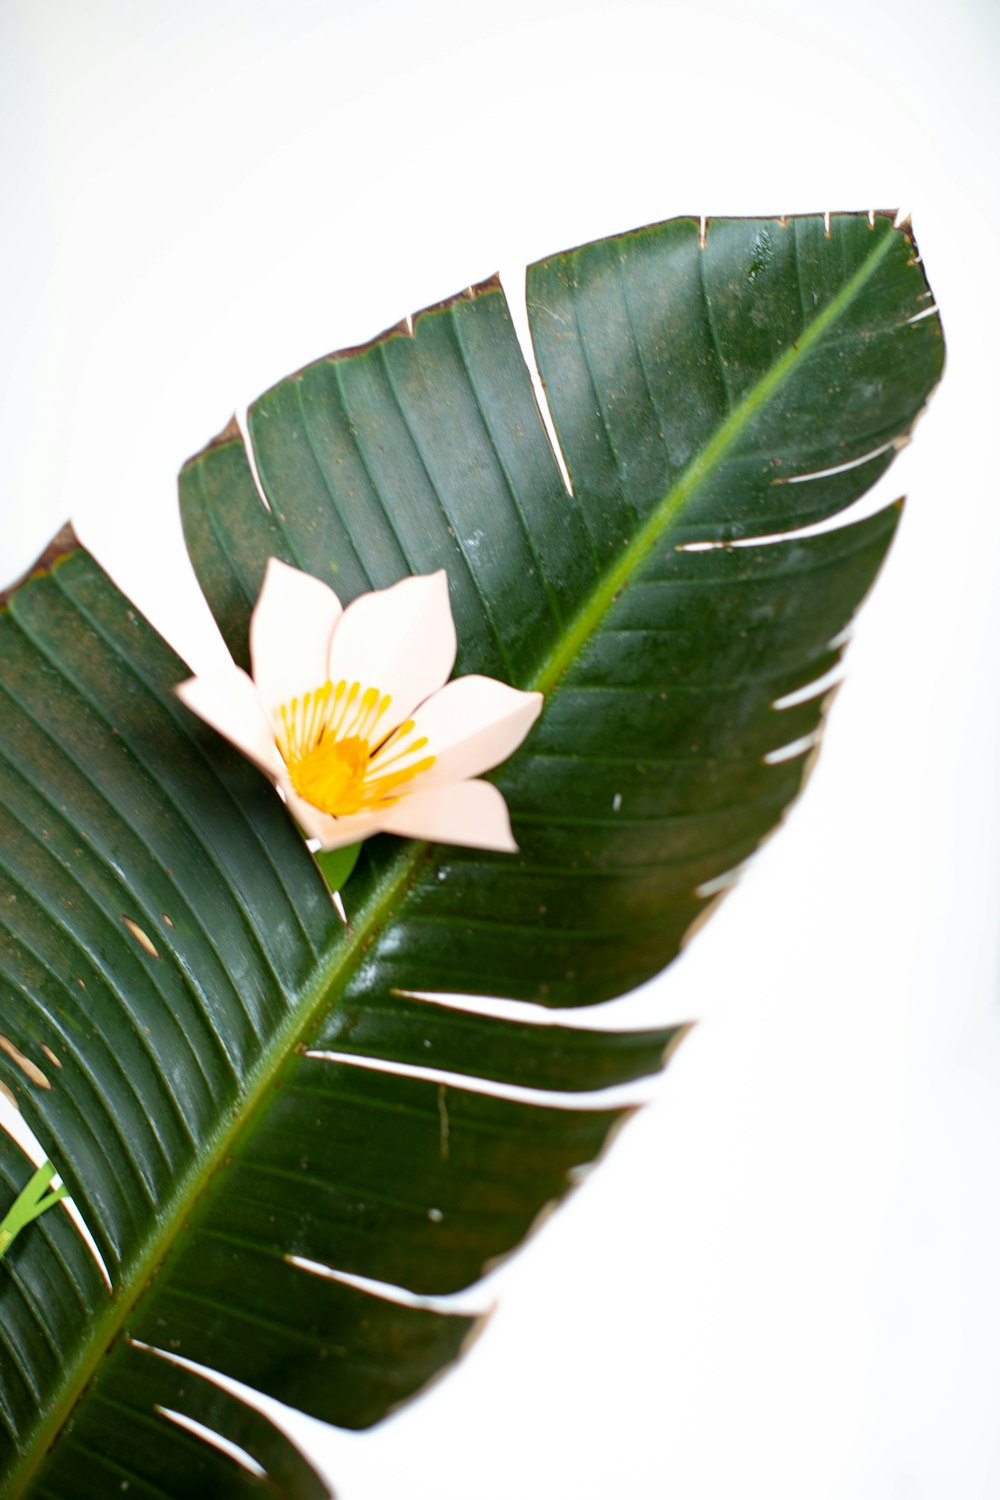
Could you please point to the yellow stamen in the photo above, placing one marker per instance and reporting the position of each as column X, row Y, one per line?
column 336, row 760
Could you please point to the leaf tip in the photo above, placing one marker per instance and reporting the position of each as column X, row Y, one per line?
column 63, row 544
column 681, row 1033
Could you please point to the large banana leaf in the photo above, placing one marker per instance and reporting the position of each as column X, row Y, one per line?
column 187, row 1025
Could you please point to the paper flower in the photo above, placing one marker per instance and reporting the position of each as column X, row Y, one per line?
column 351, row 714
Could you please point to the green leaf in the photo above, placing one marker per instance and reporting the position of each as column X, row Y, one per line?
column 337, row 864
column 232, row 1083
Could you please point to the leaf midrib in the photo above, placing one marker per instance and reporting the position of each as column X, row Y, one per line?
column 335, row 971
column 698, row 470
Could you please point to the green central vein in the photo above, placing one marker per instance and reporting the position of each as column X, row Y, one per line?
column 672, row 505
column 195, row 1188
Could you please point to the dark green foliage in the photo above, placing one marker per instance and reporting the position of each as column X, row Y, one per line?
column 169, row 956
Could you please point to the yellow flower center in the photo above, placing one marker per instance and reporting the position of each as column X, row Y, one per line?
column 336, row 757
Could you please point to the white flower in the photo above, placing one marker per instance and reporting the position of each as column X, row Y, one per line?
column 351, row 714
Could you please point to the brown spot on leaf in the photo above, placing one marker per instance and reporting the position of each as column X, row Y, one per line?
column 141, row 937
column 62, row 544
column 30, row 1070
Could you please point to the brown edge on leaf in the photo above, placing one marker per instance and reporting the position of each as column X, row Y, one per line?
column 404, row 329
column 230, row 434
column 61, row 546
column 703, row 223
column 469, row 294
column 400, row 330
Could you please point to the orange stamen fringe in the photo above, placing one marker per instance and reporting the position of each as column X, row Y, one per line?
column 328, row 740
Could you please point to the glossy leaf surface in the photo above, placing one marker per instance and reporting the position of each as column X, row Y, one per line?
column 172, row 965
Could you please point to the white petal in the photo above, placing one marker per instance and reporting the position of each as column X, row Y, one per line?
column 471, row 813
column 400, row 640
column 229, row 702
column 332, row 832
column 290, row 632
column 472, row 725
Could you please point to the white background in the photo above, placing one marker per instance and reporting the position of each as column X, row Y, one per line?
column 783, row 1282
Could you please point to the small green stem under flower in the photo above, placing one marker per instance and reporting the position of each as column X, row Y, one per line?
column 32, row 1200
column 337, row 864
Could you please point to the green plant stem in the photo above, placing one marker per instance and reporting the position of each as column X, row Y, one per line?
column 31, row 1201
